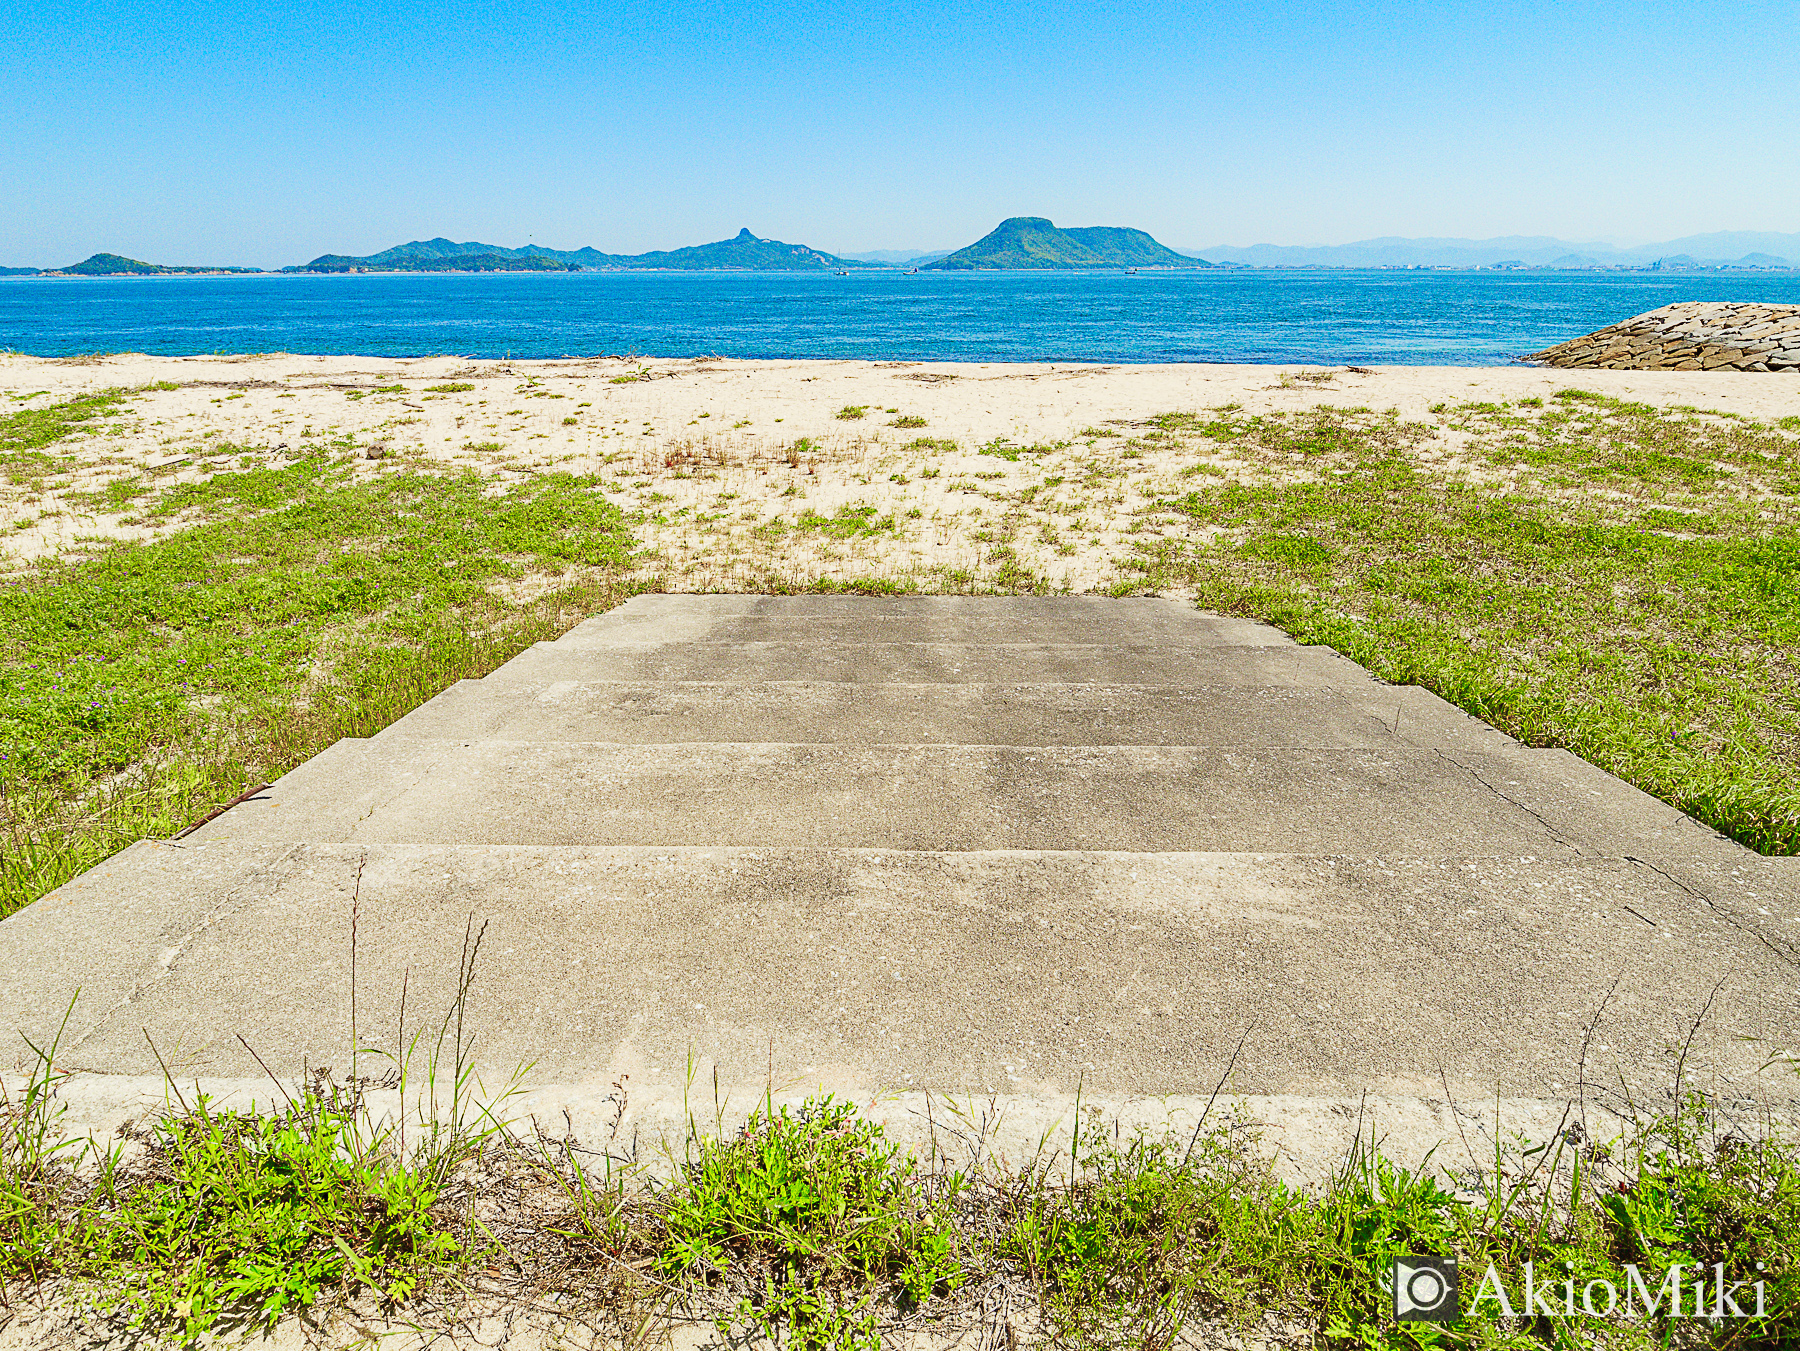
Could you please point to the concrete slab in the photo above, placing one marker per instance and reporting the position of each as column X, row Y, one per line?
column 1279, row 799
column 898, row 847
column 978, row 972
column 942, row 663
column 1596, row 811
column 635, row 713
column 921, row 619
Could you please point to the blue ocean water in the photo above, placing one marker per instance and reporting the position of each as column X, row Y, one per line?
column 1326, row 318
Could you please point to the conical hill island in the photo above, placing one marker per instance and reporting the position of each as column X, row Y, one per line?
column 1031, row 242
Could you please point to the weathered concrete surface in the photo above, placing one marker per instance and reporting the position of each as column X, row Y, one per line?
column 981, row 620
column 631, row 713
column 1281, row 799
column 1134, row 663
column 984, row 971
column 1002, row 860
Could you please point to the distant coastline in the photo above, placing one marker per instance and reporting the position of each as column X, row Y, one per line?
column 1023, row 243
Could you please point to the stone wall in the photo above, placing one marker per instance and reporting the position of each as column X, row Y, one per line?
column 1690, row 336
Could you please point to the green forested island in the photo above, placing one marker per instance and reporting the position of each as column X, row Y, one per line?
column 459, row 262
column 745, row 252
column 1023, row 242
column 114, row 265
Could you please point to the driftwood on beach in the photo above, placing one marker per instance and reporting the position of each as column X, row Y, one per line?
column 1690, row 336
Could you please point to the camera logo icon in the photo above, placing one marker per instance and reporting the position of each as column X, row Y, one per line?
column 1424, row 1290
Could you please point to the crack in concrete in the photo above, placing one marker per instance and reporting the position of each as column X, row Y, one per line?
column 1532, row 812
column 164, row 965
column 394, row 794
column 1781, row 953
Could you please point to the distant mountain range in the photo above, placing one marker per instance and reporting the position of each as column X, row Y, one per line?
column 743, row 252
column 1032, row 243
column 395, row 260
column 898, row 257
column 1732, row 249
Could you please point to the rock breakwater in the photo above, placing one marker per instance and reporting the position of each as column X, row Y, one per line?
column 1690, row 336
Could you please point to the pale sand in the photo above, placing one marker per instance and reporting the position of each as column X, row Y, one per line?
column 702, row 447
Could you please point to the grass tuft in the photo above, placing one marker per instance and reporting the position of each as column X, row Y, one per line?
column 242, row 1217
column 813, row 1216
column 847, row 522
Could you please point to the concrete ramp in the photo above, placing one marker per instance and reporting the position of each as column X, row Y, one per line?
column 972, row 846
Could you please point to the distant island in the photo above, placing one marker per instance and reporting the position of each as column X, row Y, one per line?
column 1031, row 242
column 490, row 261
column 114, row 265
column 744, row 252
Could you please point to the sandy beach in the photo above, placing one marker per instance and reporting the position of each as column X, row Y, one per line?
column 744, row 473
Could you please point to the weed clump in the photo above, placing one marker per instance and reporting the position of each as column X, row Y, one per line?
column 248, row 1216
column 1004, row 449
column 846, row 523
column 812, row 1216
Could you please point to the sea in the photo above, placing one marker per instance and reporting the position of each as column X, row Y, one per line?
column 1384, row 317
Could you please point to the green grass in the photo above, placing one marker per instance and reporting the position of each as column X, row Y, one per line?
column 1595, row 576
column 817, row 1220
column 851, row 412
column 1154, row 1232
column 147, row 682
column 1006, row 450
column 846, row 523
column 813, row 1228
column 244, row 1217
column 25, row 434
column 222, row 1220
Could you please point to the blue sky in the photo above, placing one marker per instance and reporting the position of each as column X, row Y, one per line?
column 194, row 131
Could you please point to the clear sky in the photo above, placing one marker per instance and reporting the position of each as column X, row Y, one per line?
column 197, row 131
